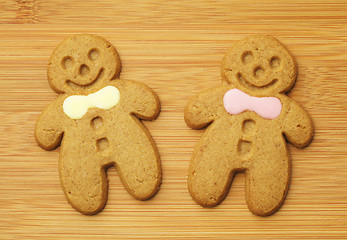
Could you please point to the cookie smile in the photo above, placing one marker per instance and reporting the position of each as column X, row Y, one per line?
column 243, row 81
column 77, row 85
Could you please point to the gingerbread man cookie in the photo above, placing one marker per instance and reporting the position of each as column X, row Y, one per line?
column 249, row 119
column 96, row 121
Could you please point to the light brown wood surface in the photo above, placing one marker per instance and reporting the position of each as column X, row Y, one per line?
column 176, row 48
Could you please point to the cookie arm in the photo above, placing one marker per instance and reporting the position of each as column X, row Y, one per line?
column 297, row 125
column 48, row 130
column 202, row 109
column 139, row 99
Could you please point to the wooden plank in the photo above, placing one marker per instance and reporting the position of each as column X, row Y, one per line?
column 176, row 48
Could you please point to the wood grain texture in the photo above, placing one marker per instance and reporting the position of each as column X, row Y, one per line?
column 176, row 48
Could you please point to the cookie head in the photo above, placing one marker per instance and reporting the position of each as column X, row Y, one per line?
column 82, row 63
column 259, row 64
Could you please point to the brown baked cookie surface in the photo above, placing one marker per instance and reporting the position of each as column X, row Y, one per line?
column 97, row 120
column 248, row 119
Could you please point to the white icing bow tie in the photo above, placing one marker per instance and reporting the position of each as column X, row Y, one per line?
column 76, row 106
column 236, row 101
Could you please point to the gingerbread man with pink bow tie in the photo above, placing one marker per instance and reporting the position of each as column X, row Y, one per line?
column 96, row 119
column 248, row 119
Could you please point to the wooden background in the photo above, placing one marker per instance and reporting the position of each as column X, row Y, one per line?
column 175, row 47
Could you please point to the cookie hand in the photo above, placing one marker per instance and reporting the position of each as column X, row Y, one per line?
column 141, row 100
column 203, row 108
column 297, row 125
column 49, row 130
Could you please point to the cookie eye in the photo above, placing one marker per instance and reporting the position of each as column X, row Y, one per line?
column 67, row 62
column 247, row 57
column 93, row 54
column 275, row 62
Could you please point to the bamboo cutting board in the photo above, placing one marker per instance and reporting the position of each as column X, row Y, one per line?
column 176, row 48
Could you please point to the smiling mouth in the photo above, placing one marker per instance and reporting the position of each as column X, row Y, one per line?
column 243, row 81
column 75, row 85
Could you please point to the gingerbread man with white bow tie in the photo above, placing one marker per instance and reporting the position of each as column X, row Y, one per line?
column 96, row 120
column 249, row 119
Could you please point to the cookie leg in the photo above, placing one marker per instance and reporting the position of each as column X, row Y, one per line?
column 137, row 161
column 84, row 182
column 267, row 182
column 212, row 165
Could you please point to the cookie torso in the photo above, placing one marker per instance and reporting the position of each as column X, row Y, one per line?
column 102, row 138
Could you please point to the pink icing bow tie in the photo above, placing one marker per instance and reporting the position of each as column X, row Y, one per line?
column 236, row 101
